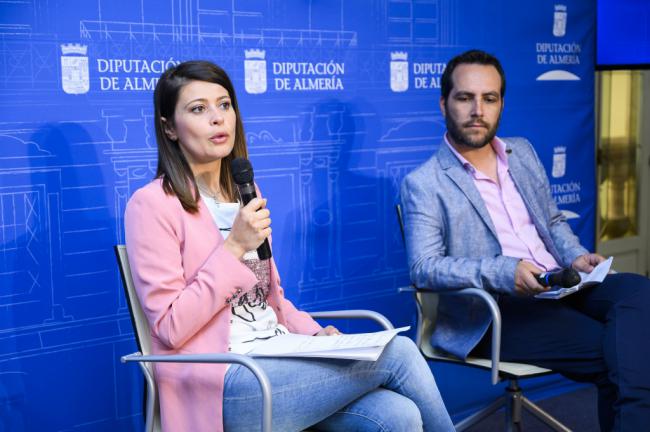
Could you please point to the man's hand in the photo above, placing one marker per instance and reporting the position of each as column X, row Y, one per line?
column 586, row 263
column 525, row 282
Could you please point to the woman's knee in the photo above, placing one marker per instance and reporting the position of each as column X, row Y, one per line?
column 385, row 411
column 403, row 347
column 402, row 353
column 404, row 416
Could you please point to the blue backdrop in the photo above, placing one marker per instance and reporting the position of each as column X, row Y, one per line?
column 340, row 101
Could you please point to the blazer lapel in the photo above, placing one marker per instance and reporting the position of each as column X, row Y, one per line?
column 521, row 179
column 456, row 172
column 210, row 227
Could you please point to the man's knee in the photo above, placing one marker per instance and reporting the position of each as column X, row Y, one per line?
column 643, row 284
column 625, row 290
column 632, row 283
column 643, row 292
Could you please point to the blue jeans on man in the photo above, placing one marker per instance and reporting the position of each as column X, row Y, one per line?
column 600, row 335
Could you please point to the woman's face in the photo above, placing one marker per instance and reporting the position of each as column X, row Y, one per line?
column 204, row 123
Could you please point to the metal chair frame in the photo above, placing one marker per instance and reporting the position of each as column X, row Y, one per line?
column 145, row 359
column 513, row 400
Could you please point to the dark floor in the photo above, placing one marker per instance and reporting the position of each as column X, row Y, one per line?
column 576, row 410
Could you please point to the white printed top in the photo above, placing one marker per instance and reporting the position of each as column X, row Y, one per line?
column 252, row 320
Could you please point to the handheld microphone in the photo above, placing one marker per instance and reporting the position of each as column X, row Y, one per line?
column 242, row 173
column 564, row 278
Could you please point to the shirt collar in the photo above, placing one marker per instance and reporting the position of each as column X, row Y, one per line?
column 497, row 144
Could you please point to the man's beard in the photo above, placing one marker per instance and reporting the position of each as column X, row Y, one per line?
column 459, row 137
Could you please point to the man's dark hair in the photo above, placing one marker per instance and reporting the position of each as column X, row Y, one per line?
column 470, row 57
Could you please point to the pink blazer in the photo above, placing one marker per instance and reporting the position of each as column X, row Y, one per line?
column 183, row 276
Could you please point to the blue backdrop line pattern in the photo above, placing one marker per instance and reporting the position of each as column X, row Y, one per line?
column 340, row 101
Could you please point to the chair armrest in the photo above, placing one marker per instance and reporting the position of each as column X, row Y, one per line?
column 494, row 311
column 496, row 324
column 355, row 314
column 243, row 360
column 410, row 289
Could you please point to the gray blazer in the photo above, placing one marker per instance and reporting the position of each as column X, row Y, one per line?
column 451, row 242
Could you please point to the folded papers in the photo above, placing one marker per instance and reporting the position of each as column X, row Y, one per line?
column 360, row 346
column 596, row 276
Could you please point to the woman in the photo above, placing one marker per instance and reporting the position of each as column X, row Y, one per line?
column 203, row 291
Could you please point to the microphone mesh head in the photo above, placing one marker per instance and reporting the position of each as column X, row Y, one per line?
column 570, row 277
column 242, row 170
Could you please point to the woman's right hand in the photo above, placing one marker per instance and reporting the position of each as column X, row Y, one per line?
column 251, row 227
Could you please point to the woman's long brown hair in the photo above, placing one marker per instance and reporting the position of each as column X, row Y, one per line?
column 173, row 168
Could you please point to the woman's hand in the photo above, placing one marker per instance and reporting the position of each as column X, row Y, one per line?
column 251, row 227
column 328, row 331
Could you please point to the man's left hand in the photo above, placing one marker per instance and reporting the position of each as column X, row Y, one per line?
column 586, row 263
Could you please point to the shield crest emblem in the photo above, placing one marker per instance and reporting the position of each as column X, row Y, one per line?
column 74, row 69
column 255, row 71
column 559, row 162
column 399, row 72
column 559, row 20
column 255, row 76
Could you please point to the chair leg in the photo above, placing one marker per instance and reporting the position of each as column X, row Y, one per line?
column 513, row 407
column 517, row 401
column 514, row 402
column 150, row 400
column 543, row 416
column 475, row 418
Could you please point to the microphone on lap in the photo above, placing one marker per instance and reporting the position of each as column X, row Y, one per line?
column 242, row 173
column 565, row 278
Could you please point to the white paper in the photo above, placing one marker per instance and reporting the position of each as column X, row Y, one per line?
column 597, row 275
column 360, row 346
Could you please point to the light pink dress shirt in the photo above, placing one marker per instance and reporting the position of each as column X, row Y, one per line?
column 516, row 232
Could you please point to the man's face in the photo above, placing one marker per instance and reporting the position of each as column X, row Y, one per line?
column 473, row 109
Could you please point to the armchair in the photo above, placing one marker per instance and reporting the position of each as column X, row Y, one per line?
column 145, row 359
column 513, row 400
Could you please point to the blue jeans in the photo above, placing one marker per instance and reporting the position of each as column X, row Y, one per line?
column 395, row 393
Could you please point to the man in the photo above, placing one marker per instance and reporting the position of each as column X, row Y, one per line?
column 480, row 214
